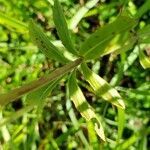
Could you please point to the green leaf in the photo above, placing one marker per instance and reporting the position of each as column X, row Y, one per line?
column 10, row 21
column 36, row 84
column 102, row 88
column 131, row 58
column 62, row 28
column 121, row 122
column 37, row 97
column 81, row 13
column 62, row 138
column 128, row 142
column 144, row 34
column 144, row 60
column 122, row 45
column 92, row 136
column 143, row 143
column 15, row 115
column 83, row 106
column 143, row 9
column 74, row 119
column 109, row 38
column 44, row 44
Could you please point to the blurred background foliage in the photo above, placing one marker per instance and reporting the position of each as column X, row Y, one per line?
column 21, row 62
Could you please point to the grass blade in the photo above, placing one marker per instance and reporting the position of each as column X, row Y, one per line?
column 36, row 84
column 144, row 34
column 80, row 13
column 62, row 138
column 83, row 107
column 4, row 131
column 15, row 115
column 92, row 136
column 143, row 9
column 121, row 122
column 10, row 21
column 37, row 97
column 109, row 38
column 74, row 119
column 61, row 26
column 102, row 88
column 143, row 143
column 144, row 60
column 128, row 142
column 44, row 44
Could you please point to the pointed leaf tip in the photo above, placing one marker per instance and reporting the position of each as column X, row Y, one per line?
column 86, row 111
column 62, row 28
column 102, row 88
column 44, row 44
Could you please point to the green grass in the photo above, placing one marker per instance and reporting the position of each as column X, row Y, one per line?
column 45, row 107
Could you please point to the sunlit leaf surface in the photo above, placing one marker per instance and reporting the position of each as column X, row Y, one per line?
column 14, row 23
column 108, row 38
column 102, row 88
column 83, row 106
column 144, row 60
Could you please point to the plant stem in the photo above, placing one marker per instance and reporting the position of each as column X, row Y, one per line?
column 34, row 85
